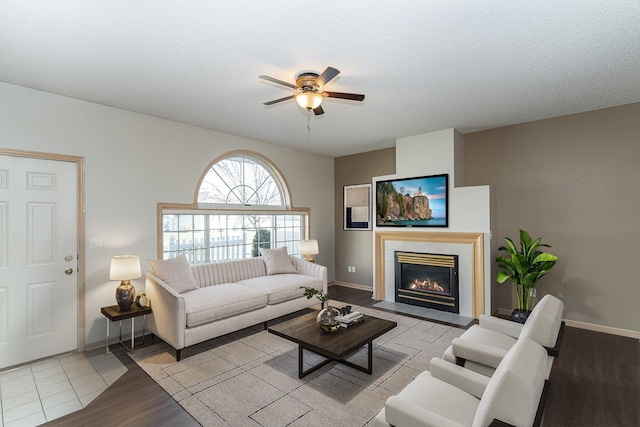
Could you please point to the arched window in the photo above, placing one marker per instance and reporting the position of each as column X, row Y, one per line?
column 241, row 180
column 241, row 204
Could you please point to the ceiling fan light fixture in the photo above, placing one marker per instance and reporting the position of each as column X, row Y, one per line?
column 309, row 100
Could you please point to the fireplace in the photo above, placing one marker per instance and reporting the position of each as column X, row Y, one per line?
column 427, row 280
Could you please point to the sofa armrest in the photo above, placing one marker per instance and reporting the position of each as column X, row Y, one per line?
column 469, row 381
column 477, row 352
column 168, row 319
column 503, row 326
column 401, row 412
column 555, row 350
column 311, row 269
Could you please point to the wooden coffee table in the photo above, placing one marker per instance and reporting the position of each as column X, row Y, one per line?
column 335, row 346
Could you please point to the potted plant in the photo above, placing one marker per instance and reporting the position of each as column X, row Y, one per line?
column 311, row 292
column 326, row 318
column 524, row 267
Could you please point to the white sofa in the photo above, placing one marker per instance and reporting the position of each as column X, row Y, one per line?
column 451, row 396
column 225, row 296
column 482, row 347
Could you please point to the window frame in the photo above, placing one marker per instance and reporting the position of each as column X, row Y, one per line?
column 196, row 208
column 261, row 160
column 172, row 209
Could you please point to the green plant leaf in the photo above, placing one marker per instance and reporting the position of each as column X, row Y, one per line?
column 521, row 263
column 525, row 241
column 529, row 280
column 502, row 276
column 311, row 292
column 512, row 247
column 533, row 248
column 545, row 257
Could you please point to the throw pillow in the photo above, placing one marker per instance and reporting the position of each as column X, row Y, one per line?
column 277, row 261
column 175, row 272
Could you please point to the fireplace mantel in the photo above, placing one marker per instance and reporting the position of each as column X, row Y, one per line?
column 475, row 240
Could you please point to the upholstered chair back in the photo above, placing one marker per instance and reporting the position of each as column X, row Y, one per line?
column 543, row 324
column 513, row 392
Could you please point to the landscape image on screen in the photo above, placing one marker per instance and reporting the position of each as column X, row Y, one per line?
column 412, row 202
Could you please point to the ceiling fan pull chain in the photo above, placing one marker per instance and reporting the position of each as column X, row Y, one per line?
column 309, row 119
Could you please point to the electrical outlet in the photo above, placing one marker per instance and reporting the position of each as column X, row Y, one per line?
column 533, row 292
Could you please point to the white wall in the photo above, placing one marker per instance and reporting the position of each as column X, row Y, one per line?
column 133, row 162
column 438, row 153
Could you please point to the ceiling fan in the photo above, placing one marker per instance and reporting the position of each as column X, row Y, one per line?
column 309, row 86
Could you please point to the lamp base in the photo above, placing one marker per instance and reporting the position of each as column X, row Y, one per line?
column 309, row 258
column 125, row 295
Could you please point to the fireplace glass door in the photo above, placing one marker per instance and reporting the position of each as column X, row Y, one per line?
column 427, row 280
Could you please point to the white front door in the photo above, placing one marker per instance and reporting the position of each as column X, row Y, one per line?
column 38, row 259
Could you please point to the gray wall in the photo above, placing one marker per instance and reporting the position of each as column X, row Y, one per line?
column 356, row 247
column 573, row 181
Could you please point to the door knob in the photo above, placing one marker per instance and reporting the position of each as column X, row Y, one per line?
column 68, row 271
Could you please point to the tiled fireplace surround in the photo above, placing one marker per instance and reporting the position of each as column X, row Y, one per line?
column 468, row 231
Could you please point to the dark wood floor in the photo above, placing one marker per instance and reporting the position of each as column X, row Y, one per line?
column 594, row 382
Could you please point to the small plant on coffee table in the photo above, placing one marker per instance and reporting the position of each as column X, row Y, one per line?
column 322, row 296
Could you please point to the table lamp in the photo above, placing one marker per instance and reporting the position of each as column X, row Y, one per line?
column 308, row 248
column 125, row 268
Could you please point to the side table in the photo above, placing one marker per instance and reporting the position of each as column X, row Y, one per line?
column 113, row 313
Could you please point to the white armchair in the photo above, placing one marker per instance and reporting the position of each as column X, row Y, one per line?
column 450, row 395
column 482, row 347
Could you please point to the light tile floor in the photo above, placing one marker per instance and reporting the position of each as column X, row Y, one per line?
column 48, row 389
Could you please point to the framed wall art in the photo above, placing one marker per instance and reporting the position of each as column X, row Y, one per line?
column 357, row 207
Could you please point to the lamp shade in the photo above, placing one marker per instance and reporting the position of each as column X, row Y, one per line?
column 308, row 247
column 125, row 267
column 309, row 100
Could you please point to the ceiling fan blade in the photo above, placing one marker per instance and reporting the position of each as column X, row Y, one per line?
column 280, row 82
column 342, row 95
column 275, row 101
column 318, row 110
column 326, row 76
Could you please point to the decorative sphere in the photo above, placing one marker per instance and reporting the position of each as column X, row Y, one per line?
column 327, row 319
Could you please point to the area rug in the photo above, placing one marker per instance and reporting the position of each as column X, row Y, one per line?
column 250, row 377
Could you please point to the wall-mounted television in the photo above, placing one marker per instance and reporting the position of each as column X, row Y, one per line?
column 413, row 202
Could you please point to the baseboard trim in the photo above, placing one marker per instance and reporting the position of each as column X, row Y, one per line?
column 504, row 312
column 605, row 329
column 353, row 285
column 589, row 326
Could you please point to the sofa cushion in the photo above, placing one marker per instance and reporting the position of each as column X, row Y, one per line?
column 485, row 336
column 479, row 334
column 175, row 272
column 232, row 271
column 217, row 302
column 277, row 261
column 283, row 287
column 438, row 397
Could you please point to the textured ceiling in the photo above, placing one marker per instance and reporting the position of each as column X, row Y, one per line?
column 423, row 65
